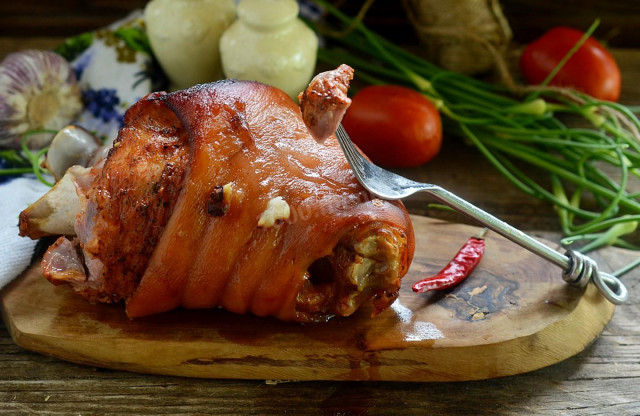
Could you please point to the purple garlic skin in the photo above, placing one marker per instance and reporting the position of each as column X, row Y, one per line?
column 38, row 91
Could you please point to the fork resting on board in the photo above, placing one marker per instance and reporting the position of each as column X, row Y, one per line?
column 578, row 269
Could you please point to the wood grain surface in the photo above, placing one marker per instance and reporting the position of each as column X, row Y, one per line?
column 512, row 315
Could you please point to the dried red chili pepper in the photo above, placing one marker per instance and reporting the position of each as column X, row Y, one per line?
column 458, row 269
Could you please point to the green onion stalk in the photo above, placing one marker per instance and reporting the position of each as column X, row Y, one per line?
column 25, row 160
column 591, row 170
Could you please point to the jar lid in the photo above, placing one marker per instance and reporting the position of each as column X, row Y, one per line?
column 267, row 12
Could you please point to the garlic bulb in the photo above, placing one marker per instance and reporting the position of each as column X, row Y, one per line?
column 38, row 90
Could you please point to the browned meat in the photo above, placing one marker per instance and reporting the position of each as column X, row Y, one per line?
column 62, row 263
column 325, row 101
column 126, row 203
column 217, row 196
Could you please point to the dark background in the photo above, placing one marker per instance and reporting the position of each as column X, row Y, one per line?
column 620, row 19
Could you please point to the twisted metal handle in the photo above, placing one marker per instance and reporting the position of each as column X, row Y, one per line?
column 577, row 268
column 583, row 269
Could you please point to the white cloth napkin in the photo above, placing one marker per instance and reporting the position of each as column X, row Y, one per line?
column 16, row 251
column 112, row 75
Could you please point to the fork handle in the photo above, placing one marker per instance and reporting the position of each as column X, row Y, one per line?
column 578, row 269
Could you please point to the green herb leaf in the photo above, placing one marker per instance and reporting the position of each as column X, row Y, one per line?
column 71, row 48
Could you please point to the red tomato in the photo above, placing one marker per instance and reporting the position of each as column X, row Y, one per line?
column 591, row 69
column 394, row 126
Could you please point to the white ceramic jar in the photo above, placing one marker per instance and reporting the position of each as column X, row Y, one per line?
column 268, row 43
column 185, row 37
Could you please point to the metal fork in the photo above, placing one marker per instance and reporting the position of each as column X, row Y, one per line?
column 578, row 269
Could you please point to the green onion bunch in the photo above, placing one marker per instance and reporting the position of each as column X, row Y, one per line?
column 591, row 170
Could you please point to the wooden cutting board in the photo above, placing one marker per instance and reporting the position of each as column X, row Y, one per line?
column 514, row 314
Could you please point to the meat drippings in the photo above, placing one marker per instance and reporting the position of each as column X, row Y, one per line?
column 363, row 264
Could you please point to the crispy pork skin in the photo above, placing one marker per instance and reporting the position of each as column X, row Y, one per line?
column 218, row 196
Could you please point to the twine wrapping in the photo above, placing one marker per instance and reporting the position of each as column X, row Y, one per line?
column 466, row 36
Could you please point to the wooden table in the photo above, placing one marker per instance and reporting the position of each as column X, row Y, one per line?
column 604, row 379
